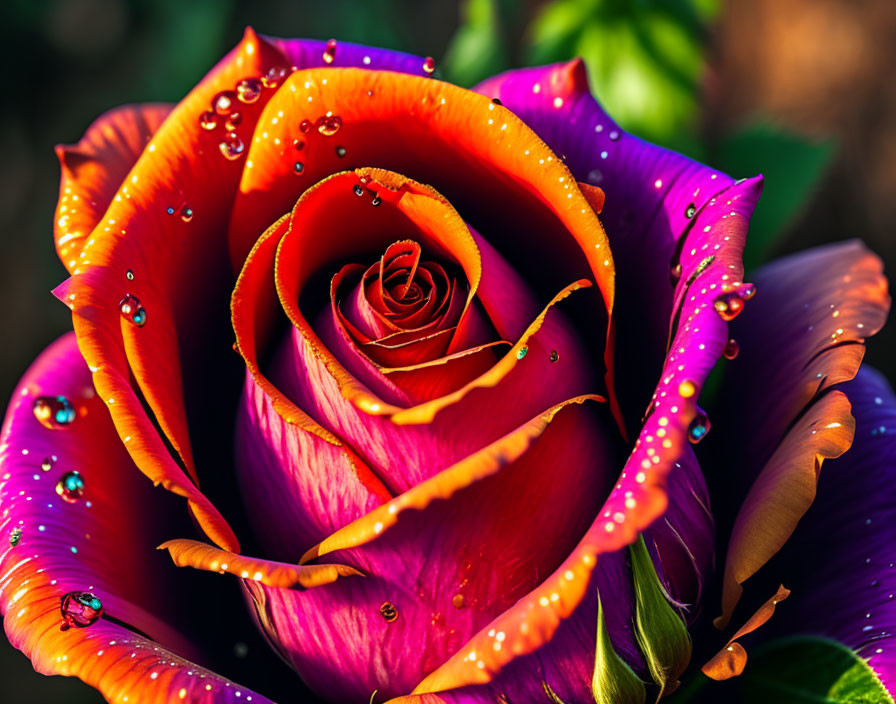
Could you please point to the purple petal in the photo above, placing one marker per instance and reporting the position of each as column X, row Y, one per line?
column 840, row 562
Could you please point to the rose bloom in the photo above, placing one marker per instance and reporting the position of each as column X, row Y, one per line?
column 455, row 458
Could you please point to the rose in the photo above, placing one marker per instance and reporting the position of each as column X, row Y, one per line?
column 432, row 449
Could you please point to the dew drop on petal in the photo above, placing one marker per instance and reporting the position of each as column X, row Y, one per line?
column 522, row 352
column 389, row 612
column 699, row 427
column 249, row 90
column 376, row 201
column 132, row 310
column 555, row 356
column 48, row 463
column 675, row 273
column 330, row 51
column 54, row 412
column 359, row 191
column 305, row 125
column 298, row 168
column 15, row 536
column 732, row 349
column 274, row 77
column 329, row 125
column 130, row 275
column 223, row 102
column 80, row 609
column 208, row 120
column 340, row 152
column 299, row 144
column 232, row 147
column 232, row 121
column 728, row 305
column 70, row 487
column 690, row 211
column 186, row 213
column 429, row 65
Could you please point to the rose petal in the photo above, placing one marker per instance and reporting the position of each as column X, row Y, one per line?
column 474, row 152
column 639, row 497
column 447, row 556
column 200, row 556
column 101, row 543
column 802, row 335
column 94, row 168
column 848, row 595
column 137, row 235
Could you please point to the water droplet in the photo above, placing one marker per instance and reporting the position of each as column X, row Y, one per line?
column 458, row 600
column 614, row 135
column 232, row 147
column 80, row 609
column 186, row 213
column 675, row 273
column 728, row 305
column 274, row 77
column 555, row 356
column 732, row 349
column 747, row 291
column 340, row 152
column 306, row 125
column 132, row 310
column 389, row 612
column 376, row 201
column 170, row 210
column 48, row 463
column 330, row 51
column 70, row 487
column 358, row 190
column 690, row 211
column 329, row 125
column 208, row 120
column 298, row 167
column 299, row 144
column 15, row 536
column 222, row 103
column 429, row 65
column 497, row 101
column 130, row 275
column 699, row 427
column 249, row 90
column 232, row 121
column 54, row 412
column 687, row 388
column 522, row 352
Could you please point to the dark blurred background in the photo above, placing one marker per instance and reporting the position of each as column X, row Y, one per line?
column 800, row 90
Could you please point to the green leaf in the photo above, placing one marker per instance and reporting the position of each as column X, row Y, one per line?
column 661, row 634
column 807, row 670
column 643, row 58
column 792, row 167
column 614, row 682
column 478, row 48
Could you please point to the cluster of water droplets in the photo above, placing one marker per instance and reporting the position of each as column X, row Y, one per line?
column 79, row 609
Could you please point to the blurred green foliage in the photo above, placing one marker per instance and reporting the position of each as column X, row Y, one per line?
column 791, row 165
column 644, row 58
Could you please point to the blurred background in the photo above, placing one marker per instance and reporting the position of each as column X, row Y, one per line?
column 800, row 90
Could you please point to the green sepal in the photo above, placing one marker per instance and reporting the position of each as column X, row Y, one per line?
column 614, row 682
column 661, row 633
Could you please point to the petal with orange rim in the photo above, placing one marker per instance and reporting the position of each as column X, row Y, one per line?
column 639, row 497
column 474, row 152
column 93, row 170
column 142, row 250
column 200, row 556
column 296, row 474
column 90, row 544
column 803, row 334
column 445, row 558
